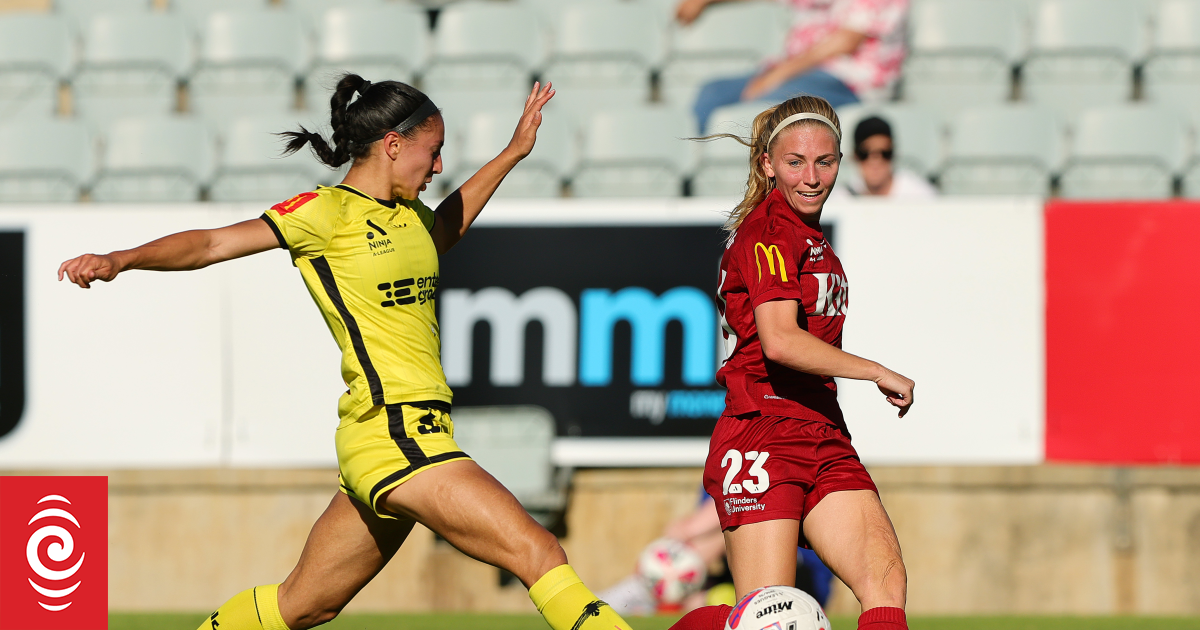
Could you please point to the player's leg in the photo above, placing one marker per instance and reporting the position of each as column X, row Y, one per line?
column 853, row 535
column 759, row 554
column 480, row 517
column 347, row 547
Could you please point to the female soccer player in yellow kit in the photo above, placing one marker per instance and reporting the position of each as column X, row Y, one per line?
column 368, row 251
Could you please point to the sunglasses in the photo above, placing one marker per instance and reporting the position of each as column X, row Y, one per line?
column 863, row 154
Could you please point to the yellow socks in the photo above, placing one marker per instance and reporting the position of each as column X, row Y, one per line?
column 253, row 609
column 567, row 604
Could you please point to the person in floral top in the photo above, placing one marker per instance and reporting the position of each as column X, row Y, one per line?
column 844, row 51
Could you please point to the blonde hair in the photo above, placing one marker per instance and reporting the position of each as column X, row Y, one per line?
column 758, row 185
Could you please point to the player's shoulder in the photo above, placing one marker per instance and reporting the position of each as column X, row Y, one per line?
column 308, row 201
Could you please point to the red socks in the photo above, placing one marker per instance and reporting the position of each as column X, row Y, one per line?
column 705, row 618
column 713, row 618
column 883, row 618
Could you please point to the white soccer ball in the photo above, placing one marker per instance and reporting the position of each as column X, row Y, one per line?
column 777, row 608
column 671, row 570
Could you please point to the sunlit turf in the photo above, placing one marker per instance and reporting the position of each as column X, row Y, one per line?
column 448, row 621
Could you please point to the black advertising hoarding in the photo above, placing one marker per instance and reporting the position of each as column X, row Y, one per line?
column 612, row 329
column 12, row 330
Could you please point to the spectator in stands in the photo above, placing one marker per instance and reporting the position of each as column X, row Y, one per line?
column 878, row 177
column 844, row 51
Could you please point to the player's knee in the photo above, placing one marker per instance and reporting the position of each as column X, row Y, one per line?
column 542, row 553
column 313, row 616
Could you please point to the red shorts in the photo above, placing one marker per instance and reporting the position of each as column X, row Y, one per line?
column 765, row 468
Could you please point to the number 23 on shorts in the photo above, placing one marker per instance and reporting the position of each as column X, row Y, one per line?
column 733, row 460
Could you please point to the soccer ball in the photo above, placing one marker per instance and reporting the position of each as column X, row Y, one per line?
column 671, row 570
column 777, row 608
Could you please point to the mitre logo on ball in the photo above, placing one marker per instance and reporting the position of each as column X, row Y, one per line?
column 54, row 553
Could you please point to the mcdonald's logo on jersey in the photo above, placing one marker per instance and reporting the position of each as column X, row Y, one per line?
column 772, row 253
column 293, row 204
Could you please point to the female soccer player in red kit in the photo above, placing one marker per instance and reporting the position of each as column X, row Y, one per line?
column 780, row 463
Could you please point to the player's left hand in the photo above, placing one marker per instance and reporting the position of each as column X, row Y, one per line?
column 526, row 133
column 897, row 389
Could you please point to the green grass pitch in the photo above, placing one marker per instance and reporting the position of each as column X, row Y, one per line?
column 448, row 621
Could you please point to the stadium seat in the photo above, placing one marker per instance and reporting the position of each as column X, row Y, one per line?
column 249, row 62
column 1003, row 150
column 82, row 11
column 962, row 53
column 36, row 53
column 634, row 152
column 131, row 65
column 200, row 9
column 362, row 39
column 1083, row 53
column 486, row 48
column 45, row 160
column 165, row 159
column 514, row 445
column 727, row 40
column 723, row 163
column 604, row 52
column 917, row 134
column 541, row 174
column 1124, row 152
column 250, row 166
column 313, row 11
column 1171, row 75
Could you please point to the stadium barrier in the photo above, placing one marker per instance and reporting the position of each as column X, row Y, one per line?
column 232, row 366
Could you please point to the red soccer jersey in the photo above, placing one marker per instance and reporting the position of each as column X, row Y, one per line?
column 776, row 256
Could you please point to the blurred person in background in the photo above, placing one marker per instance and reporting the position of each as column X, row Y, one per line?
column 878, row 176
column 844, row 51
column 700, row 531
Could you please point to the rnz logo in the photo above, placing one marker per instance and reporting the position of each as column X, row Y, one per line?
column 53, row 553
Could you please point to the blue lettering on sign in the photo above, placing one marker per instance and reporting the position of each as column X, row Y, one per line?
column 703, row 403
column 648, row 315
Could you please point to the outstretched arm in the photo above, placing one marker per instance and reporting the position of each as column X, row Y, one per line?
column 785, row 343
column 456, row 213
column 193, row 249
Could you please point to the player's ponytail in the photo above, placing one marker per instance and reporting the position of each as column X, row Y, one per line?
column 758, row 185
column 360, row 113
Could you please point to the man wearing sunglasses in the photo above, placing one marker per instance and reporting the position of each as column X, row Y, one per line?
column 873, row 152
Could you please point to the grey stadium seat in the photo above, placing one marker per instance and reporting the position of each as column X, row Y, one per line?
column 604, row 52
column 36, row 53
column 1083, row 53
column 727, row 40
column 917, row 134
column 515, row 444
column 132, row 65
column 1003, row 150
column 250, row 166
column 487, row 48
column 962, row 53
column 362, row 38
column 541, row 174
column 723, row 164
column 1171, row 76
column 249, row 62
column 45, row 160
column 1124, row 152
column 165, row 159
column 635, row 151
column 82, row 11
column 313, row 11
column 200, row 9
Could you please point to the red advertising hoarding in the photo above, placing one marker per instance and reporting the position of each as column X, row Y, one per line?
column 1122, row 337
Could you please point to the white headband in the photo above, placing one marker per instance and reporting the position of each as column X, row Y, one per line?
column 804, row 116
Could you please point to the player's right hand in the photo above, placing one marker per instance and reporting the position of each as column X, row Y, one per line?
column 89, row 267
column 688, row 10
column 897, row 389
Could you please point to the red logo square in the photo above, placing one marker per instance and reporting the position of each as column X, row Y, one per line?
column 54, row 553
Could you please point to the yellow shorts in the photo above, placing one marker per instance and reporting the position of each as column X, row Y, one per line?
column 389, row 444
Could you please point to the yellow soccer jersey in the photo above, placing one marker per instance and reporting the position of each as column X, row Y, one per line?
column 372, row 269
